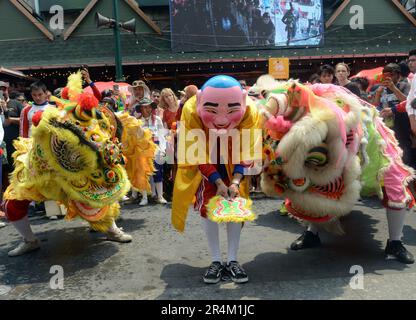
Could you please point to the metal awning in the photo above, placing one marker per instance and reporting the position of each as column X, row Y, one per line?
column 14, row 73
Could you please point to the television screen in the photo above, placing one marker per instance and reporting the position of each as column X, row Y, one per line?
column 209, row 25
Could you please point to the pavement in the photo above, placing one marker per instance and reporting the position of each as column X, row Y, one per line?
column 161, row 263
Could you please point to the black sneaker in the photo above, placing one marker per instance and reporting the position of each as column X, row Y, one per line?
column 237, row 273
column 396, row 250
column 214, row 273
column 307, row 240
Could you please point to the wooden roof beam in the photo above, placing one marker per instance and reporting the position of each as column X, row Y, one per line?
column 337, row 13
column 134, row 5
column 32, row 19
column 81, row 17
column 404, row 11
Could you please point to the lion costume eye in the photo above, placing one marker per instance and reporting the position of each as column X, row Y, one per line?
column 66, row 156
column 317, row 156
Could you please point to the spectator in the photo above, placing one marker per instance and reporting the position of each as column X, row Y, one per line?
column 111, row 103
column 57, row 92
column 362, row 83
column 119, row 98
column 4, row 93
column 387, row 97
column 342, row 72
column 11, row 131
column 169, row 103
column 154, row 123
column 326, row 74
column 156, row 96
column 139, row 90
column 156, row 99
column 39, row 94
column 404, row 69
column 243, row 84
column 410, row 105
column 86, row 77
column 106, row 93
column 314, row 79
column 190, row 91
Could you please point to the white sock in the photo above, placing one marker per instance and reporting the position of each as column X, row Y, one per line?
column 23, row 227
column 144, row 195
column 113, row 227
column 134, row 194
column 233, row 237
column 212, row 233
column 152, row 184
column 395, row 220
column 312, row 228
column 159, row 189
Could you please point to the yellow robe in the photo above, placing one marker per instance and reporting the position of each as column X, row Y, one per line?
column 188, row 177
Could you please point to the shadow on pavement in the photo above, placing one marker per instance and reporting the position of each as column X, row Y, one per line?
column 74, row 249
column 331, row 261
column 409, row 235
column 130, row 224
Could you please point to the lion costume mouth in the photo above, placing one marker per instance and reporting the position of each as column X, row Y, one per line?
column 100, row 192
column 88, row 213
column 303, row 215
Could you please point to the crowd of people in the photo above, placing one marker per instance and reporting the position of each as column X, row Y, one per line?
column 388, row 93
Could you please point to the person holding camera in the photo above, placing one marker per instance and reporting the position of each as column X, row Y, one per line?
column 388, row 96
column 87, row 79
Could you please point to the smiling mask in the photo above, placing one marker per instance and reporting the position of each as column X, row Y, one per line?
column 221, row 103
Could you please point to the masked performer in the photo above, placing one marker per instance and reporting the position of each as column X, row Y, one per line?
column 220, row 109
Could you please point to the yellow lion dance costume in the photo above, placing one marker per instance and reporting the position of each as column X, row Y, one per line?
column 75, row 156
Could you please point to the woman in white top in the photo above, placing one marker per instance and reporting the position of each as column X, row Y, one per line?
column 155, row 125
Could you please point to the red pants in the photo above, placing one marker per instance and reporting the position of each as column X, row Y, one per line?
column 15, row 209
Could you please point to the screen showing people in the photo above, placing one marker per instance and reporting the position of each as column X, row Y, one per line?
column 208, row 25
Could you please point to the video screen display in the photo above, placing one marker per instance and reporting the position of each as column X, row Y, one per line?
column 215, row 25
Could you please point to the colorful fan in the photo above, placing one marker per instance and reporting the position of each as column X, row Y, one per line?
column 222, row 210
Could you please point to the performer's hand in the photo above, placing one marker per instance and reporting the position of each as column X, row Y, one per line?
column 234, row 191
column 222, row 189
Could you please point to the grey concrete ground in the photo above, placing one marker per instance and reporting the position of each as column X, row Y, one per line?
column 163, row 264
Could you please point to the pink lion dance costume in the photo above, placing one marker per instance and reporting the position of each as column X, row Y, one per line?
column 324, row 146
